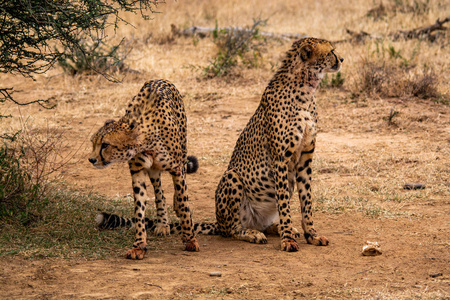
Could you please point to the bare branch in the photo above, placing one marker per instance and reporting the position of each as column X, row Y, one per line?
column 6, row 94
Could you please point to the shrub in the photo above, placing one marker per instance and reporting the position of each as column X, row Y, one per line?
column 28, row 162
column 387, row 79
column 394, row 7
column 33, row 31
column 392, row 75
column 337, row 80
column 94, row 56
column 18, row 195
column 37, row 34
column 234, row 45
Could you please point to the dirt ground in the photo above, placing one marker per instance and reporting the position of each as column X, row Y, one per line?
column 255, row 271
column 361, row 163
column 414, row 238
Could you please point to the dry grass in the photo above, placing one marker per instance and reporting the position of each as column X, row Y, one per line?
column 155, row 58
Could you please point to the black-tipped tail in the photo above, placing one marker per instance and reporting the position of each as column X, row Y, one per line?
column 199, row 228
column 192, row 164
column 109, row 221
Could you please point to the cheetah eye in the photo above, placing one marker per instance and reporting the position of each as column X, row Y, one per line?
column 105, row 145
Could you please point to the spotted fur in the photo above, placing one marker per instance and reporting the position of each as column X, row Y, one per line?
column 273, row 155
column 151, row 136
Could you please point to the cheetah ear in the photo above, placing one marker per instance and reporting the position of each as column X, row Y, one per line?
column 306, row 52
column 107, row 122
column 124, row 136
column 135, row 135
column 132, row 125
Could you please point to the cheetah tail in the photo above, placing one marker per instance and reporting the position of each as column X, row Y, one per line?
column 192, row 164
column 111, row 221
column 204, row 228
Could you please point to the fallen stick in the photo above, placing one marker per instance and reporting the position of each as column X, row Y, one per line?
column 421, row 32
column 416, row 33
column 360, row 37
column 203, row 32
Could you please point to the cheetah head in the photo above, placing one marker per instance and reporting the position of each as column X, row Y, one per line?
column 115, row 141
column 317, row 55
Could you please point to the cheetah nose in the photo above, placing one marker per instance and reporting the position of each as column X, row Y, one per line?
column 92, row 160
column 341, row 59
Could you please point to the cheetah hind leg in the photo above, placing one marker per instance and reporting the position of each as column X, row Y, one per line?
column 250, row 235
column 229, row 196
column 162, row 227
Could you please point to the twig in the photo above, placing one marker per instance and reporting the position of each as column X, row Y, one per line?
column 358, row 37
column 364, row 271
column 151, row 284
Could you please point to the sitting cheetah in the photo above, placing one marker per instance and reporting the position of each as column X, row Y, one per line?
column 272, row 155
column 151, row 136
column 274, row 152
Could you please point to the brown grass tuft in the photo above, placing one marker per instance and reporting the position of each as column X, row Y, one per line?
column 386, row 78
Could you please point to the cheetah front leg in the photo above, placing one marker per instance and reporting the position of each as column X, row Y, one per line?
column 304, row 193
column 229, row 198
column 181, row 207
column 162, row 227
column 138, row 176
column 288, row 242
column 275, row 229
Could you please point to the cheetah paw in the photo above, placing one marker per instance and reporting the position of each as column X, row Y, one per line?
column 289, row 245
column 192, row 246
column 259, row 238
column 319, row 241
column 254, row 236
column 162, row 230
column 136, row 253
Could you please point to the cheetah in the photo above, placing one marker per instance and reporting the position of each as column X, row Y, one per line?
column 272, row 156
column 273, row 153
column 151, row 136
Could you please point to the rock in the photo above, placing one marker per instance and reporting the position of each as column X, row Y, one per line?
column 371, row 249
column 414, row 186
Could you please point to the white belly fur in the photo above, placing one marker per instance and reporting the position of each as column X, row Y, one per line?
column 258, row 215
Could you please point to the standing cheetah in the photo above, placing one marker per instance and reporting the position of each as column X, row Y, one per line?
column 151, row 136
column 273, row 155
